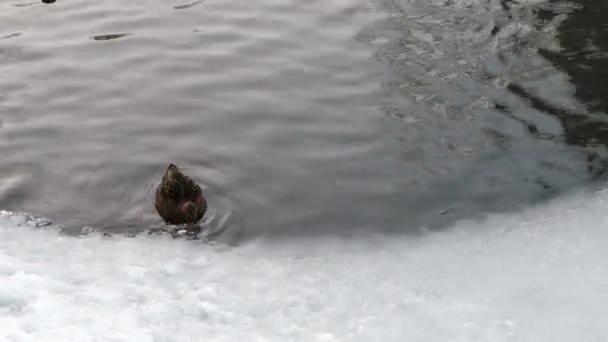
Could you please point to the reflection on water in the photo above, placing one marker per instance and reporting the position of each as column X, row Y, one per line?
column 26, row 4
column 472, row 144
column 583, row 36
column 299, row 117
column 110, row 36
column 192, row 4
column 11, row 35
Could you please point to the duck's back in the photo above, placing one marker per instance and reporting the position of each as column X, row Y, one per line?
column 175, row 189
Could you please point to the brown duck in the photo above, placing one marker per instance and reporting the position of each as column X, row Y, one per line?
column 179, row 199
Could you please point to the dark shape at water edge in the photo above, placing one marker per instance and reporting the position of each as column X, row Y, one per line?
column 579, row 129
column 583, row 36
column 110, row 36
column 48, row 1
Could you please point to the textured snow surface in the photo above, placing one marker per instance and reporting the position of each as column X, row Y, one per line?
column 539, row 275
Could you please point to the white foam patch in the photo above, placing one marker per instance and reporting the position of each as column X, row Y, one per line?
column 541, row 275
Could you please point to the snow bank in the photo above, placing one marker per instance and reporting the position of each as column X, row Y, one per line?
column 540, row 275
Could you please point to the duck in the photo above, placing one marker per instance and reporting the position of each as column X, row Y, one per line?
column 179, row 200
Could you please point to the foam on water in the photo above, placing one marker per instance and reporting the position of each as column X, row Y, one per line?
column 540, row 275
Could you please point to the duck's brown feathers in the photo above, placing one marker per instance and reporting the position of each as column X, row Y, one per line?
column 174, row 190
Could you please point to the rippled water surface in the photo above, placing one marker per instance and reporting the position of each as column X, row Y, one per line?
column 299, row 117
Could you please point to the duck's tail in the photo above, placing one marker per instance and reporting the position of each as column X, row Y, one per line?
column 189, row 211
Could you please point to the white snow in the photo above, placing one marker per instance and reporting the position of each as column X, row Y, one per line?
column 539, row 275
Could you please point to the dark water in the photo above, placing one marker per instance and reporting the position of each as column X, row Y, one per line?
column 300, row 117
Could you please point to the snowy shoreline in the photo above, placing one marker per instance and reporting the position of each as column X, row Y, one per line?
column 536, row 275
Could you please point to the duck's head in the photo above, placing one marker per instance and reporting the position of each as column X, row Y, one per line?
column 190, row 212
column 172, row 170
column 172, row 167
